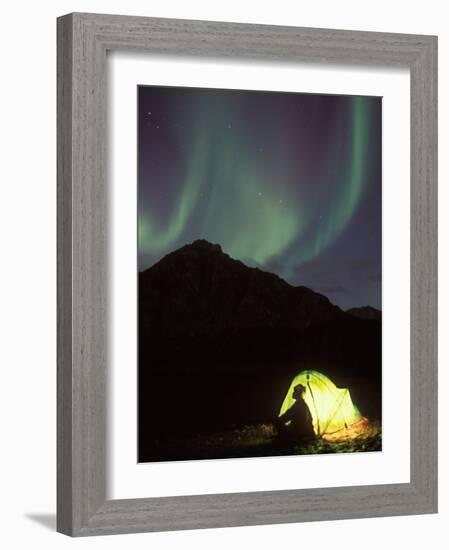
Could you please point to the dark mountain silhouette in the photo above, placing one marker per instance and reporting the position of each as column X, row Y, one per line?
column 199, row 298
column 365, row 312
column 219, row 343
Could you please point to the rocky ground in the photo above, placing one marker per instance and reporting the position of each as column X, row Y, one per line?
column 263, row 440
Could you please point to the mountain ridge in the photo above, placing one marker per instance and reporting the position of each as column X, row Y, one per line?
column 202, row 284
column 365, row 312
column 205, row 245
column 198, row 301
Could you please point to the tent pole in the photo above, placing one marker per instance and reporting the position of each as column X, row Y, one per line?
column 314, row 404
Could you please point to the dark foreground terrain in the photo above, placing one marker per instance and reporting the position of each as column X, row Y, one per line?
column 261, row 440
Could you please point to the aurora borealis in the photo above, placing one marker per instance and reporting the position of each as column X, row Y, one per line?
column 287, row 182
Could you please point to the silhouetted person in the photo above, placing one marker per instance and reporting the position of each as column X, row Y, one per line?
column 300, row 427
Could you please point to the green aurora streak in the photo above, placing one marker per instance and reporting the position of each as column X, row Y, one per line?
column 250, row 211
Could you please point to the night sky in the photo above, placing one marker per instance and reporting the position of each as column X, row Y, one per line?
column 287, row 182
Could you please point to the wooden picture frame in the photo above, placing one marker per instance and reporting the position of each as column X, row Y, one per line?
column 83, row 40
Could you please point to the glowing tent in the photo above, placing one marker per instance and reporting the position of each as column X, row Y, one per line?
column 331, row 408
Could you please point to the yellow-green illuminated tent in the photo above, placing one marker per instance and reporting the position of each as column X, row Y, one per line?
column 331, row 408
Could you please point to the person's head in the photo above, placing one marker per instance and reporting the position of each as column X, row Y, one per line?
column 298, row 391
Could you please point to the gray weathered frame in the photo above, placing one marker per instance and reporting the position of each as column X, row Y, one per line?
column 83, row 40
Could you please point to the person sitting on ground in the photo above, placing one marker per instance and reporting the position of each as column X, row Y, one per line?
column 296, row 423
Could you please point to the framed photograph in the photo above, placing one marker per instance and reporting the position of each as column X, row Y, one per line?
column 247, row 280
